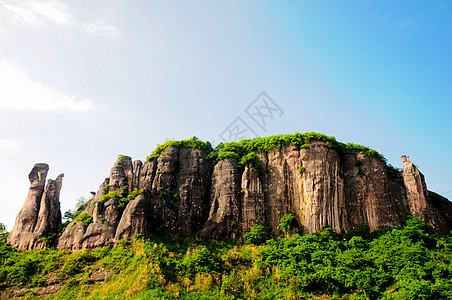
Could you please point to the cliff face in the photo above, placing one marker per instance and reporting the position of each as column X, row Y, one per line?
column 40, row 214
column 183, row 193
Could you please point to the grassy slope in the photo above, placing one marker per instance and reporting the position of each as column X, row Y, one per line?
column 405, row 263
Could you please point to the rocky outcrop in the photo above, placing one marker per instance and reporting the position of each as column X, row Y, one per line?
column 49, row 216
column 41, row 213
column 175, row 198
column 104, row 211
column 419, row 200
column 135, row 219
column 180, row 191
column 223, row 222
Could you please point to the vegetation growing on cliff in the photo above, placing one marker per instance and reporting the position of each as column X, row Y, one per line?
column 85, row 218
column 193, row 143
column 404, row 263
column 246, row 150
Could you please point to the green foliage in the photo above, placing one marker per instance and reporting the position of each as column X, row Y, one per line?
column 85, row 218
column 69, row 215
column 301, row 170
column 200, row 261
column 2, row 228
column 256, row 236
column 359, row 162
column 80, row 204
column 393, row 172
column 287, row 222
column 253, row 158
column 106, row 188
column 125, row 200
column 227, row 155
column 361, row 171
column 162, row 192
column 403, row 263
column 193, row 143
column 123, row 157
column 110, row 195
column 124, row 191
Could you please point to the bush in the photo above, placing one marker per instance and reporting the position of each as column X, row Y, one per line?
column 201, row 261
column 193, row 143
column 287, row 222
column 85, row 218
column 110, row 195
column 253, row 158
column 256, row 236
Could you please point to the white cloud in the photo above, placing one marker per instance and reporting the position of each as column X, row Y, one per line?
column 19, row 92
column 52, row 11
column 39, row 14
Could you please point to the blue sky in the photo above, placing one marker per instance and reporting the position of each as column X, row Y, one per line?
column 81, row 82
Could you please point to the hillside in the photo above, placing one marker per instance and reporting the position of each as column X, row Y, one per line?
column 403, row 263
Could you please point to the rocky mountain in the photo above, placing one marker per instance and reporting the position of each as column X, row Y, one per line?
column 188, row 189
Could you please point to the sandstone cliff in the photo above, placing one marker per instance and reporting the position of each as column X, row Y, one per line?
column 183, row 189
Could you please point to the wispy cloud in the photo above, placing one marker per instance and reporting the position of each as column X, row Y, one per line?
column 41, row 14
column 20, row 92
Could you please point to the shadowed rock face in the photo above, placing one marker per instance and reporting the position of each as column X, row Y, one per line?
column 225, row 210
column 40, row 214
column 184, row 194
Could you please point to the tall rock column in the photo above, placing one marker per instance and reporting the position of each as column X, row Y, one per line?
column 49, row 212
column 223, row 222
column 253, row 204
column 418, row 197
column 41, row 213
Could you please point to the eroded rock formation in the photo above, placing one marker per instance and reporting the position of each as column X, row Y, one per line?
column 419, row 199
column 181, row 192
column 40, row 214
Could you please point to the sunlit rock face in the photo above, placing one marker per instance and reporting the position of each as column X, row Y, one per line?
column 419, row 199
column 183, row 193
column 40, row 214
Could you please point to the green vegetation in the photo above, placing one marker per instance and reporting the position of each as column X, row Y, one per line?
column 393, row 172
column 123, row 157
column 80, row 203
column 110, row 195
column 193, row 143
column 127, row 198
column 124, row 191
column 123, row 196
column 107, row 188
column 85, row 218
column 361, row 171
column 253, row 158
column 256, row 236
column 301, row 170
column 248, row 149
column 287, row 222
column 404, row 263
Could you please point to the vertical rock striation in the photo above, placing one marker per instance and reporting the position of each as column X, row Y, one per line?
column 419, row 200
column 180, row 191
column 223, row 221
column 41, row 213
